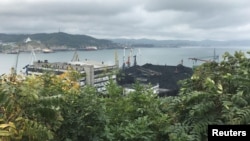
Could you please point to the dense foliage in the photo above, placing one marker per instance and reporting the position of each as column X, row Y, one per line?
column 49, row 107
column 217, row 93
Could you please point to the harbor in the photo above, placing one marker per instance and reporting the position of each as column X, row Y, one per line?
column 162, row 74
column 162, row 79
column 156, row 56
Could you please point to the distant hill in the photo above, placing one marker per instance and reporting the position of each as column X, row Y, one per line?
column 179, row 43
column 60, row 39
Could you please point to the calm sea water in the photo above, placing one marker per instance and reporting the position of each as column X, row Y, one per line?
column 157, row 56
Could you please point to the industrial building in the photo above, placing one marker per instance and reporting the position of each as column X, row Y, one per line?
column 93, row 73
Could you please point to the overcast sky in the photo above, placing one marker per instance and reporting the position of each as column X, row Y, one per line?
column 154, row 19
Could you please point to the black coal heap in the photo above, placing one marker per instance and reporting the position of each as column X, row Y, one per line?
column 166, row 76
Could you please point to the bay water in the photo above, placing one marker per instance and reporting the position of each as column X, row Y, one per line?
column 156, row 56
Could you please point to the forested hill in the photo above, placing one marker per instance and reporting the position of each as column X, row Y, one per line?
column 60, row 39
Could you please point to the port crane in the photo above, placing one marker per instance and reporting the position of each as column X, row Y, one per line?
column 198, row 59
column 214, row 58
column 130, row 56
column 128, row 62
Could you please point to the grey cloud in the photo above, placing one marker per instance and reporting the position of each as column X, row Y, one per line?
column 67, row 7
column 159, row 19
column 200, row 6
column 204, row 13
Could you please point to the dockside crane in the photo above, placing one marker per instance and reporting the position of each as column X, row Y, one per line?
column 198, row 59
column 116, row 60
column 128, row 62
column 130, row 56
column 202, row 59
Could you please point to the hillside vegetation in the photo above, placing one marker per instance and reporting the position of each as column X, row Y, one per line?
column 59, row 39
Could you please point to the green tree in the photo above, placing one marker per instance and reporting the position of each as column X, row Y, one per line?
column 134, row 116
column 30, row 106
column 83, row 115
column 217, row 93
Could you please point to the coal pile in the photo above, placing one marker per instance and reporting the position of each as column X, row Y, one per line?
column 166, row 76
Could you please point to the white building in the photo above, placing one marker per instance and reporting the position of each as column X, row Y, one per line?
column 93, row 73
column 128, row 89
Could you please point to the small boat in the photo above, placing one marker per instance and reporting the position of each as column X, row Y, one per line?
column 46, row 50
column 89, row 48
column 12, row 52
